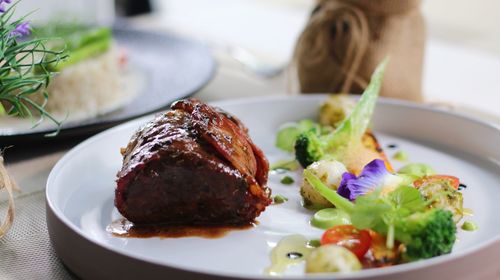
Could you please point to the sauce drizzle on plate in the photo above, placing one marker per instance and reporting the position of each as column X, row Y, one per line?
column 125, row 228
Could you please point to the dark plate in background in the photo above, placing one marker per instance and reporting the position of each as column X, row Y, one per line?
column 173, row 68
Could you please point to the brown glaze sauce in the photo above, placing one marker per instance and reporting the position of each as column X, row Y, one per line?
column 124, row 228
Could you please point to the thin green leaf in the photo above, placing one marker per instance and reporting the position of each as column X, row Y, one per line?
column 354, row 126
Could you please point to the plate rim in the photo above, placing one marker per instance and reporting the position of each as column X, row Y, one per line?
column 384, row 271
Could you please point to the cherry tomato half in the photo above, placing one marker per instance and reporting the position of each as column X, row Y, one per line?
column 453, row 181
column 357, row 241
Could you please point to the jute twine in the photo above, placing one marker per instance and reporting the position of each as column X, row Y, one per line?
column 344, row 40
column 6, row 183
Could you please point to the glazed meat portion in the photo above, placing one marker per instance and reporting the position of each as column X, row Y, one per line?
column 193, row 165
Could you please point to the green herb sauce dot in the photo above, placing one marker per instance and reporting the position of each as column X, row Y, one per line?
column 278, row 199
column 400, row 156
column 469, row 226
column 287, row 180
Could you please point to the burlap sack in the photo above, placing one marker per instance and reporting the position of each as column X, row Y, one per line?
column 344, row 41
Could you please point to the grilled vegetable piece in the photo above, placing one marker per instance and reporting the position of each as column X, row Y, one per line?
column 379, row 254
column 335, row 109
column 441, row 191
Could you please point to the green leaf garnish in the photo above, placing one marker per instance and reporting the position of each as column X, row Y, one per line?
column 351, row 130
column 19, row 58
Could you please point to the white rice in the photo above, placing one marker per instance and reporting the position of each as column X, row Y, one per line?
column 92, row 87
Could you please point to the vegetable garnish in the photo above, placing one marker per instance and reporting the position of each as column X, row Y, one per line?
column 346, row 140
column 331, row 195
column 374, row 175
column 400, row 215
column 441, row 191
column 380, row 255
column 332, row 258
column 347, row 236
column 379, row 216
column 19, row 57
column 330, row 172
column 448, row 180
column 287, row 135
column 353, row 127
column 335, row 109
column 81, row 41
column 416, row 170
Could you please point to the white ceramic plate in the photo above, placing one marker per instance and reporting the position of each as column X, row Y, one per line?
column 80, row 193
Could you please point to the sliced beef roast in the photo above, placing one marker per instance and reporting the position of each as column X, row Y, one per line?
column 193, row 165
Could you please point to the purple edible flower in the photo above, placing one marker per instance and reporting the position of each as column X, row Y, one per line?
column 343, row 190
column 372, row 176
column 21, row 29
column 2, row 6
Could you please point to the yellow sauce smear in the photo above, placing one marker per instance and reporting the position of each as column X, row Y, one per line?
column 291, row 250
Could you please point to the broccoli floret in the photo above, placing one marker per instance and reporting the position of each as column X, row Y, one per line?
column 287, row 135
column 308, row 148
column 427, row 234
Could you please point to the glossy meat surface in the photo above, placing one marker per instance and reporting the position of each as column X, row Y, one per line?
column 194, row 165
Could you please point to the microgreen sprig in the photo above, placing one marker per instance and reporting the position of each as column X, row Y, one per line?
column 373, row 210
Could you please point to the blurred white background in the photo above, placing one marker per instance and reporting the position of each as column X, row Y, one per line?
column 90, row 11
column 462, row 60
column 468, row 23
column 462, row 57
column 463, row 22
